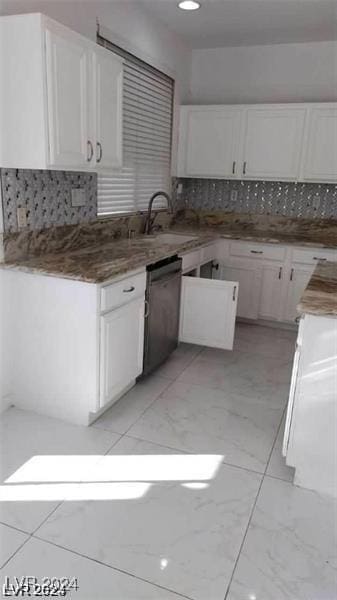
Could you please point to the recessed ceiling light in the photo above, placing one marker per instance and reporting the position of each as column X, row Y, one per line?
column 189, row 5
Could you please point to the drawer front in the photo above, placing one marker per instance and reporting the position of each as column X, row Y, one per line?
column 208, row 253
column 123, row 291
column 259, row 251
column 313, row 255
column 191, row 260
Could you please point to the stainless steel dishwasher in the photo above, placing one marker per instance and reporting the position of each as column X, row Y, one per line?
column 162, row 311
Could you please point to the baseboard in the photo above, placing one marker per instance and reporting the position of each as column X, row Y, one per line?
column 266, row 323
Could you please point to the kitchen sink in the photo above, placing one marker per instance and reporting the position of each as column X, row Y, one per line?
column 173, row 238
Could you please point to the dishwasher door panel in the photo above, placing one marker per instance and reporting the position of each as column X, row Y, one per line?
column 162, row 321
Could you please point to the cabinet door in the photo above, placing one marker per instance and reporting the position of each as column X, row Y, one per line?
column 298, row 281
column 68, row 107
column 108, row 82
column 121, row 356
column 211, row 142
column 273, row 142
column 249, row 278
column 208, row 312
column 321, row 153
column 271, row 291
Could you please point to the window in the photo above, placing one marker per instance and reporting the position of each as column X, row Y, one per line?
column 147, row 133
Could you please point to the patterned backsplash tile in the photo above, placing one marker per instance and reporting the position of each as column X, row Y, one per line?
column 46, row 195
column 299, row 200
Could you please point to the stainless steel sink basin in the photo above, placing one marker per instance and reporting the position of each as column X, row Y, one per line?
column 172, row 238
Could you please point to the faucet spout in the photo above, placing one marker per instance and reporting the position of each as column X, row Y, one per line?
column 149, row 222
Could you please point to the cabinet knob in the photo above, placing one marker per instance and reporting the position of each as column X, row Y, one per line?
column 244, row 167
column 131, row 289
column 233, row 168
column 256, row 251
column 291, row 274
column 280, row 273
column 90, row 150
column 234, row 293
column 100, row 152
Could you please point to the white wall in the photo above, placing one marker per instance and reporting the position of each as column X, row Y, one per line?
column 279, row 73
column 123, row 23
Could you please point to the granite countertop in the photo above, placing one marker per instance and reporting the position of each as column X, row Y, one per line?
column 320, row 295
column 99, row 263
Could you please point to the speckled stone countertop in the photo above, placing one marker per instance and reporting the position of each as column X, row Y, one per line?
column 320, row 295
column 98, row 263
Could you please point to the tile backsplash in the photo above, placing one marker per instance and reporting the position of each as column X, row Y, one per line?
column 298, row 200
column 46, row 195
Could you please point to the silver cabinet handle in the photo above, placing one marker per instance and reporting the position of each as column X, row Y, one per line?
column 318, row 258
column 131, row 289
column 233, row 168
column 280, row 273
column 91, row 151
column 100, row 154
column 291, row 274
column 234, row 293
column 244, row 167
column 147, row 309
column 256, row 251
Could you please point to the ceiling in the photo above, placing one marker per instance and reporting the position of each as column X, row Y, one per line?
column 247, row 22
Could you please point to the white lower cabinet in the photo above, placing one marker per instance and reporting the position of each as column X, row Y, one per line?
column 121, row 349
column 248, row 276
column 270, row 305
column 208, row 312
column 298, row 280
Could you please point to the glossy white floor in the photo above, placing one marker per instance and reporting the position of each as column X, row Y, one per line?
column 179, row 491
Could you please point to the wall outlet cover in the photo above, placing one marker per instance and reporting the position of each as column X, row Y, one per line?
column 78, row 197
column 21, row 215
column 234, row 195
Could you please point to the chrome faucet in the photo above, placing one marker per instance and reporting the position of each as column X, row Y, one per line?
column 149, row 222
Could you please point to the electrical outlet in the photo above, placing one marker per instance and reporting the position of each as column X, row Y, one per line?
column 179, row 189
column 21, row 215
column 234, row 195
column 316, row 202
column 78, row 197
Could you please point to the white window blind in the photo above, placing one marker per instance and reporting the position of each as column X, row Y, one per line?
column 147, row 133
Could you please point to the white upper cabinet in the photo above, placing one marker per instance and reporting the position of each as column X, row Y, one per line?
column 272, row 142
column 320, row 162
column 108, row 86
column 67, row 68
column 208, row 312
column 209, row 141
column 280, row 142
column 63, row 108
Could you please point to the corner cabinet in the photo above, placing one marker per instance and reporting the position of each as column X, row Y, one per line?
column 279, row 142
column 209, row 138
column 63, row 111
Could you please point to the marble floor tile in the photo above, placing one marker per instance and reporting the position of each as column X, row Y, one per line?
column 267, row 341
column 10, row 541
column 254, row 376
column 179, row 360
column 131, row 406
column 182, row 535
column 277, row 465
column 95, row 581
column 290, row 549
column 23, row 435
column 198, row 419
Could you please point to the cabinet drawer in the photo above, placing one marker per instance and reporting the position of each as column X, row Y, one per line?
column 191, row 260
column 123, row 291
column 208, row 253
column 257, row 251
column 312, row 255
